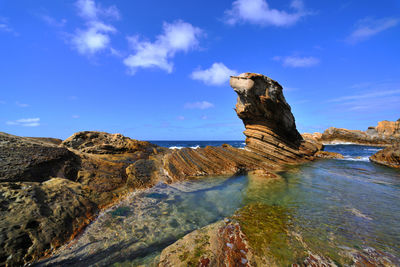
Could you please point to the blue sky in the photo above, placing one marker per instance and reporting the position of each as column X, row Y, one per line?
column 158, row 70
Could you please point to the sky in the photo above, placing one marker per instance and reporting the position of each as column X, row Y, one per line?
column 159, row 70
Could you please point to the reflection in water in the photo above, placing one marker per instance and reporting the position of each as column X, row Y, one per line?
column 142, row 225
column 333, row 205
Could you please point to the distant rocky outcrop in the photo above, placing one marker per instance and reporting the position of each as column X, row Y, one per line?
column 390, row 156
column 385, row 133
column 50, row 190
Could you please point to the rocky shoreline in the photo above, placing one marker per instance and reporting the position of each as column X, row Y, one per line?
column 52, row 189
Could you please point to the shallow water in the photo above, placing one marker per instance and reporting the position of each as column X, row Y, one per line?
column 333, row 205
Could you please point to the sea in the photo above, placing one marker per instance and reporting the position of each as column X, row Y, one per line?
column 334, row 205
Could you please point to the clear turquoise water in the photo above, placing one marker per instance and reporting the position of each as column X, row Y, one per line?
column 337, row 204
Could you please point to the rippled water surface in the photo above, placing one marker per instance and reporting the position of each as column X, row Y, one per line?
column 334, row 204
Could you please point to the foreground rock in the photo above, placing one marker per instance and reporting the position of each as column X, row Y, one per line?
column 384, row 134
column 50, row 190
column 263, row 235
column 390, row 156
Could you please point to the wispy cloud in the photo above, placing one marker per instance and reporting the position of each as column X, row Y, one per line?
column 178, row 36
column 181, row 118
column 5, row 26
column 53, row 22
column 21, row 105
column 199, row 105
column 366, row 28
column 96, row 36
column 297, row 62
column 29, row 122
column 75, row 116
column 217, row 74
column 373, row 94
column 371, row 97
column 259, row 12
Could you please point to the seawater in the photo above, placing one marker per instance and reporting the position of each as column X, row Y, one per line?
column 198, row 144
column 333, row 205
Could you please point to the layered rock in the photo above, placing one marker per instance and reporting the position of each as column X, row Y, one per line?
column 51, row 190
column 389, row 156
column 270, row 125
column 385, row 134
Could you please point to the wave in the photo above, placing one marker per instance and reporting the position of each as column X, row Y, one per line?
column 334, row 143
column 180, row 147
column 373, row 149
column 365, row 158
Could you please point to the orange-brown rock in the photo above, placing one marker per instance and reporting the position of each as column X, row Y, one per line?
column 390, row 156
column 328, row 155
column 385, row 134
column 270, row 125
column 90, row 170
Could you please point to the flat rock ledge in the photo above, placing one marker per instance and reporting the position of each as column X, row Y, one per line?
column 389, row 156
column 386, row 133
column 50, row 190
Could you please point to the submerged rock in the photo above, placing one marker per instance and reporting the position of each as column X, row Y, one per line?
column 389, row 156
column 328, row 155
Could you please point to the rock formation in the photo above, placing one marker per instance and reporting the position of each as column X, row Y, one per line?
column 52, row 190
column 390, row 156
column 385, row 134
column 270, row 125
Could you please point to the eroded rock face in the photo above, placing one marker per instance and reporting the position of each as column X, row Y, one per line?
column 61, row 186
column 34, row 160
column 50, row 191
column 385, row 134
column 105, row 143
column 270, row 125
column 390, row 156
column 38, row 217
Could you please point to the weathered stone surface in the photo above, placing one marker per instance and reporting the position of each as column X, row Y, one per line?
column 105, row 143
column 37, row 217
column 390, row 156
column 262, row 235
column 91, row 170
column 34, row 160
column 328, row 155
column 56, row 190
column 270, row 126
column 385, row 134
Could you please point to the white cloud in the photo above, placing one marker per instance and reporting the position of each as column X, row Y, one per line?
column 21, row 105
column 181, row 118
column 217, row 74
column 199, row 105
column 53, row 22
column 176, row 37
column 373, row 94
column 5, row 26
column 259, row 12
column 93, row 39
column 89, row 10
column 96, row 36
column 297, row 62
column 29, row 122
column 367, row 28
